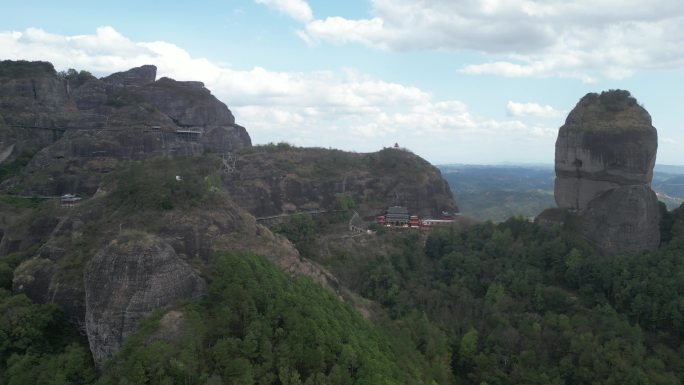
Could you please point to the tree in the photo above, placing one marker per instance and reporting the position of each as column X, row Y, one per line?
column 468, row 346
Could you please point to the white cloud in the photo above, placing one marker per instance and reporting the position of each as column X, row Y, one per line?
column 343, row 109
column 340, row 30
column 571, row 38
column 532, row 109
column 296, row 9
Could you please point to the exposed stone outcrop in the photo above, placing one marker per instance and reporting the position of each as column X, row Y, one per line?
column 270, row 181
column 136, row 77
column 625, row 218
column 84, row 126
column 189, row 104
column 125, row 282
column 138, row 267
column 607, row 141
column 31, row 93
column 33, row 278
column 605, row 154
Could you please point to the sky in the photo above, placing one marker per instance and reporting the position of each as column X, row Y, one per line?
column 454, row 81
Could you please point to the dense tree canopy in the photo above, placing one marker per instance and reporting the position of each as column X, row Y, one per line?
column 496, row 304
column 524, row 304
column 257, row 325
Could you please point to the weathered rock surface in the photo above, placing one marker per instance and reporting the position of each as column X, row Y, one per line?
column 626, row 218
column 605, row 154
column 125, row 282
column 84, row 126
column 270, row 180
column 607, row 141
column 194, row 235
column 138, row 76
column 31, row 93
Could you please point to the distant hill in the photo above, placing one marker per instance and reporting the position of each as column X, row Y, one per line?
column 499, row 192
column 669, row 169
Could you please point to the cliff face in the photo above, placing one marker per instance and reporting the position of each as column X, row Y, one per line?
column 83, row 126
column 127, row 280
column 625, row 218
column 605, row 155
column 280, row 179
column 31, row 94
column 607, row 141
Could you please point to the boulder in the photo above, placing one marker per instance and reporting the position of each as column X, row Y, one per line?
column 80, row 127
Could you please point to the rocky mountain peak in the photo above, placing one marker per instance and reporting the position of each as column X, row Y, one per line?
column 137, row 76
column 88, row 125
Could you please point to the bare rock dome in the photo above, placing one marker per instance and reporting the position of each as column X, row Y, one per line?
column 607, row 141
column 605, row 154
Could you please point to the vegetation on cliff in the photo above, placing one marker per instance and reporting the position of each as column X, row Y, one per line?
column 39, row 346
column 165, row 183
column 501, row 304
column 526, row 305
column 256, row 325
column 19, row 68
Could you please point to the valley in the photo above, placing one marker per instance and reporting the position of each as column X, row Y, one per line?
column 496, row 193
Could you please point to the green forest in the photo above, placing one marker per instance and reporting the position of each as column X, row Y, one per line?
column 506, row 303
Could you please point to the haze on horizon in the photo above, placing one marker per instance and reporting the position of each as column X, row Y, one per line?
column 469, row 81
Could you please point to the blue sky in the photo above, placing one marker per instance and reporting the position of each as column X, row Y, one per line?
column 456, row 81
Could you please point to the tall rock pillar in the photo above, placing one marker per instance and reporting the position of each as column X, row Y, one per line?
column 605, row 153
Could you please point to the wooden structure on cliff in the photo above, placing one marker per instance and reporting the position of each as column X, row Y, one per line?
column 69, row 200
column 189, row 135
